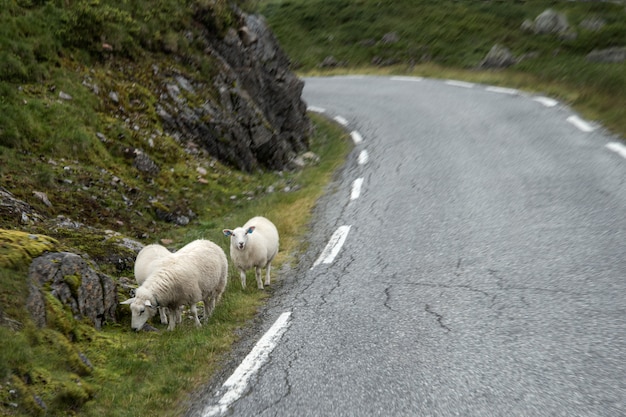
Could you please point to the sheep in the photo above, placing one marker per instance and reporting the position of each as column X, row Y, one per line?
column 253, row 245
column 197, row 272
column 148, row 260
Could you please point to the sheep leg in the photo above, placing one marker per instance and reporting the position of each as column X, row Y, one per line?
column 257, row 273
column 209, row 305
column 242, row 274
column 163, row 314
column 267, row 273
column 171, row 318
column 194, row 311
column 179, row 314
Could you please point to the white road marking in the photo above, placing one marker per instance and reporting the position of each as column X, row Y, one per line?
column 502, row 90
column 341, row 120
column 618, row 148
column 580, row 124
column 463, row 84
column 236, row 385
column 363, row 157
column 316, row 109
column 546, row 101
column 356, row 188
column 356, row 137
column 400, row 78
column 333, row 246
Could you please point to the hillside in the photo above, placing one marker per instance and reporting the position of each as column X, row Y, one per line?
column 123, row 124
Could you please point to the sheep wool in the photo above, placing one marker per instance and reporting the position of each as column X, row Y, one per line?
column 197, row 272
column 149, row 260
column 254, row 245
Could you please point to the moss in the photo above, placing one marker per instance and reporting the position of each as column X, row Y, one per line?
column 19, row 248
column 27, row 397
column 74, row 282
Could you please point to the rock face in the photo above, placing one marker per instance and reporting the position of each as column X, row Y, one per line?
column 609, row 55
column 257, row 119
column 88, row 293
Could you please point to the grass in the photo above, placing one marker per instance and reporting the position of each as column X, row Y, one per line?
column 448, row 39
column 151, row 373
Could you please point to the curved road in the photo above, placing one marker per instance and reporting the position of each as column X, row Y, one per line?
column 468, row 260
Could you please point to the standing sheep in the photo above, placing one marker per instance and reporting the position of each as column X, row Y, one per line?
column 197, row 272
column 148, row 260
column 254, row 246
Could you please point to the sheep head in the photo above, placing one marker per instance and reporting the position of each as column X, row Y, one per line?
column 239, row 236
column 141, row 310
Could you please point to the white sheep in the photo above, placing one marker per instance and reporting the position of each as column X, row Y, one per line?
column 148, row 260
column 197, row 272
column 254, row 246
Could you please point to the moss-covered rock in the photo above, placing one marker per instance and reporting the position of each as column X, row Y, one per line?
column 19, row 248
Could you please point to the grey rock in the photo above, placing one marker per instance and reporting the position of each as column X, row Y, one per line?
column 498, row 57
column 608, row 55
column 76, row 284
column 551, row 21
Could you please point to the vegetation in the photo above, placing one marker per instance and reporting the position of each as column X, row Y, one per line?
column 67, row 151
column 449, row 38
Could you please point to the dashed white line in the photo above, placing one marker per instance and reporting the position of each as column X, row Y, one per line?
column 546, row 101
column 333, row 246
column 618, row 148
column 502, row 90
column 356, row 188
column 580, row 124
column 363, row 157
column 401, row 78
column 341, row 120
column 356, row 137
column 456, row 83
column 316, row 109
column 236, row 385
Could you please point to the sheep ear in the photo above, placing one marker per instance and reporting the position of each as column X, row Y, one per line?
column 251, row 229
column 148, row 303
column 227, row 232
column 129, row 301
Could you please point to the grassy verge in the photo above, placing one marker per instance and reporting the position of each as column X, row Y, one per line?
column 150, row 373
column 448, row 39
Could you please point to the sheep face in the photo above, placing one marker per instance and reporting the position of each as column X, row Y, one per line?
column 239, row 236
column 142, row 311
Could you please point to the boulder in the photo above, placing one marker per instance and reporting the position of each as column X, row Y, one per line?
column 498, row 57
column 608, row 55
column 551, row 21
column 76, row 284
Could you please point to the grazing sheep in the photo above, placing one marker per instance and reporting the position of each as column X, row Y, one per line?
column 197, row 272
column 148, row 260
column 254, row 246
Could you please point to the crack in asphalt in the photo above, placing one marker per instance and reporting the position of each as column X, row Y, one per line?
column 439, row 318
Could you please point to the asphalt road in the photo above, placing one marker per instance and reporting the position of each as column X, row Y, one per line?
column 482, row 273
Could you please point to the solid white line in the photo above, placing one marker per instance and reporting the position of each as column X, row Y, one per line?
column 316, row 109
column 356, row 188
column 363, row 157
column 546, row 101
column 502, row 90
column 459, row 83
column 580, row 124
column 356, row 137
column 341, row 120
column 618, row 148
column 236, row 385
column 401, row 78
column 333, row 246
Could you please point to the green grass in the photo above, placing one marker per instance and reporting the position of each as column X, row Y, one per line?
column 448, row 39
